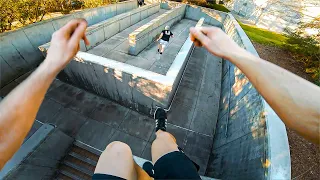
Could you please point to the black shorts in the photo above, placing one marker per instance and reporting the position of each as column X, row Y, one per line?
column 174, row 165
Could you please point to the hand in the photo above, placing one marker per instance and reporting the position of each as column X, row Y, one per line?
column 215, row 41
column 65, row 43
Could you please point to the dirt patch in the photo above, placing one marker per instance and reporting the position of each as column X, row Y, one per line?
column 305, row 156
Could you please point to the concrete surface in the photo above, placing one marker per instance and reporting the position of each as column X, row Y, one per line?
column 247, row 129
column 97, row 121
column 48, row 147
column 128, row 85
column 211, row 16
column 18, row 49
column 117, row 47
column 28, row 147
column 146, row 34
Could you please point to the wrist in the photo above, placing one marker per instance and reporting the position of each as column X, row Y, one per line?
column 236, row 55
column 49, row 67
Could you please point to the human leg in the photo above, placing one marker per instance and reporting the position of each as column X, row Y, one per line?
column 159, row 47
column 117, row 160
column 169, row 161
column 162, row 145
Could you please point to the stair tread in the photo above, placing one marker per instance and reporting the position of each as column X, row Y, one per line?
column 73, row 176
column 78, row 168
column 87, row 148
column 82, row 158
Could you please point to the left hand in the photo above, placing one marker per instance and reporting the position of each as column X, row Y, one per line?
column 65, row 43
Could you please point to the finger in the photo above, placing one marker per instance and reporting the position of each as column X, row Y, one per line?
column 79, row 33
column 69, row 28
column 197, row 43
column 85, row 39
column 199, row 35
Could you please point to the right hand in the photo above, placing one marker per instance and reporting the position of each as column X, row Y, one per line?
column 215, row 41
column 65, row 43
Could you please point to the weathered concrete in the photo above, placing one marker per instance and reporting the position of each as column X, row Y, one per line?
column 18, row 49
column 243, row 146
column 144, row 35
column 130, row 86
column 35, row 159
column 116, row 47
column 211, row 17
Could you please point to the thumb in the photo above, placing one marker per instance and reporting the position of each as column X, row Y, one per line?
column 197, row 34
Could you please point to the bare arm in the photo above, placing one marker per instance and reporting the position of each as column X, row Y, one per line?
column 160, row 36
column 19, row 108
column 295, row 100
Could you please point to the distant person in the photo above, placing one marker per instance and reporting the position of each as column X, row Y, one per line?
column 140, row 3
column 164, row 38
column 294, row 99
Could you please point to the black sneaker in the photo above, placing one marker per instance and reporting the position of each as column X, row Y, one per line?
column 160, row 115
column 158, row 50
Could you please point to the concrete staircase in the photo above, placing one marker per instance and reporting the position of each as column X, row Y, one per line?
column 79, row 163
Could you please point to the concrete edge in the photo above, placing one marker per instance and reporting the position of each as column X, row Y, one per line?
column 182, row 55
column 29, row 146
column 278, row 155
column 135, row 71
column 278, row 159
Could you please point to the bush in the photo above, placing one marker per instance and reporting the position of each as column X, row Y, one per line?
column 18, row 13
column 204, row 3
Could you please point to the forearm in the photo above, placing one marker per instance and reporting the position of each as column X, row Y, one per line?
column 295, row 100
column 19, row 108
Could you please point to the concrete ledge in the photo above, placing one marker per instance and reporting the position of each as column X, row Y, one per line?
column 27, row 148
column 144, row 35
column 211, row 16
column 248, row 124
column 99, row 32
column 19, row 52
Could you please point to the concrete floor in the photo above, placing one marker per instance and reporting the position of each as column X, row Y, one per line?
column 117, row 47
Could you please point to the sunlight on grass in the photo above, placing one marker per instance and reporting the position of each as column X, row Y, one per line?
column 266, row 37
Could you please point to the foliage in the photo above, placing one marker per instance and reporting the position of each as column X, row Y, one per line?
column 17, row 13
column 305, row 48
column 211, row 5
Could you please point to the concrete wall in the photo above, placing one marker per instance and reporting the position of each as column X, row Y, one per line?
column 130, row 86
column 143, row 36
column 106, row 29
column 211, row 17
column 275, row 15
column 250, row 141
column 19, row 49
column 39, row 161
column 127, row 85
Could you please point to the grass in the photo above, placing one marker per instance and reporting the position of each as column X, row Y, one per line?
column 265, row 37
column 218, row 7
column 306, row 50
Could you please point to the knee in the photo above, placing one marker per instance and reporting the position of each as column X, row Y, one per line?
column 118, row 147
column 165, row 135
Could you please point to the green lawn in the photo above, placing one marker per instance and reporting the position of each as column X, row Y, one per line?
column 266, row 37
column 218, row 7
